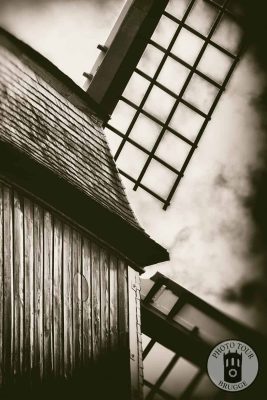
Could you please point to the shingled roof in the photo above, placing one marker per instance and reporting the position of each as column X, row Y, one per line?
column 53, row 131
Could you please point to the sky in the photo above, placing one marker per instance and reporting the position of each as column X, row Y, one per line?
column 215, row 226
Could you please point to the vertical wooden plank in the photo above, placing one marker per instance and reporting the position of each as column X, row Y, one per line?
column 8, row 286
column 104, row 292
column 77, row 298
column 123, row 304
column 139, row 336
column 29, row 287
column 18, row 269
column 133, row 336
column 38, row 291
column 1, row 284
column 68, row 295
column 48, row 294
column 96, row 301
column 57, row 299
column 123, row 328
column 87, row 317
column 113, row 303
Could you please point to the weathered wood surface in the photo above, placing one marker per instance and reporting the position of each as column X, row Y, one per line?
column 136, row 363
column 63, row 296
column 44, row 125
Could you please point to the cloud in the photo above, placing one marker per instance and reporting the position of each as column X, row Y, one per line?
column 253, row 291
column 256, row 32
column 183, row 235
column 249, row 293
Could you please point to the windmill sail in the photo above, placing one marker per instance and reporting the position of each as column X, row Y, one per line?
column 172, row 93
column 180, row 330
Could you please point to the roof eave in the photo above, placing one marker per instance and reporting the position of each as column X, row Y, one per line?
column 136, row 245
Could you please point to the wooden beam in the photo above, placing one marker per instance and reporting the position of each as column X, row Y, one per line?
column 122, row 51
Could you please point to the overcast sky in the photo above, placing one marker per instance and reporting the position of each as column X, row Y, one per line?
column 209, row 228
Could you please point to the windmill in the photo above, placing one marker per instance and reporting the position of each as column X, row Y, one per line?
column 165, row 77
column 147, row 45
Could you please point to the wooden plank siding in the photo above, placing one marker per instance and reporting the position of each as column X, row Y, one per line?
column 63, row 294
column 8, row 303
column 1, row 286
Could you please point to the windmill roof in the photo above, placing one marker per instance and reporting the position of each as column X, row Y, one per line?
column 53, row 132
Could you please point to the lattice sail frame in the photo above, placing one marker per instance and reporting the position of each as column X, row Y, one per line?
column 139, row 148
column 180, row 330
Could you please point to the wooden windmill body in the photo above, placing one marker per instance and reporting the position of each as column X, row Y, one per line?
column 71, row 249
